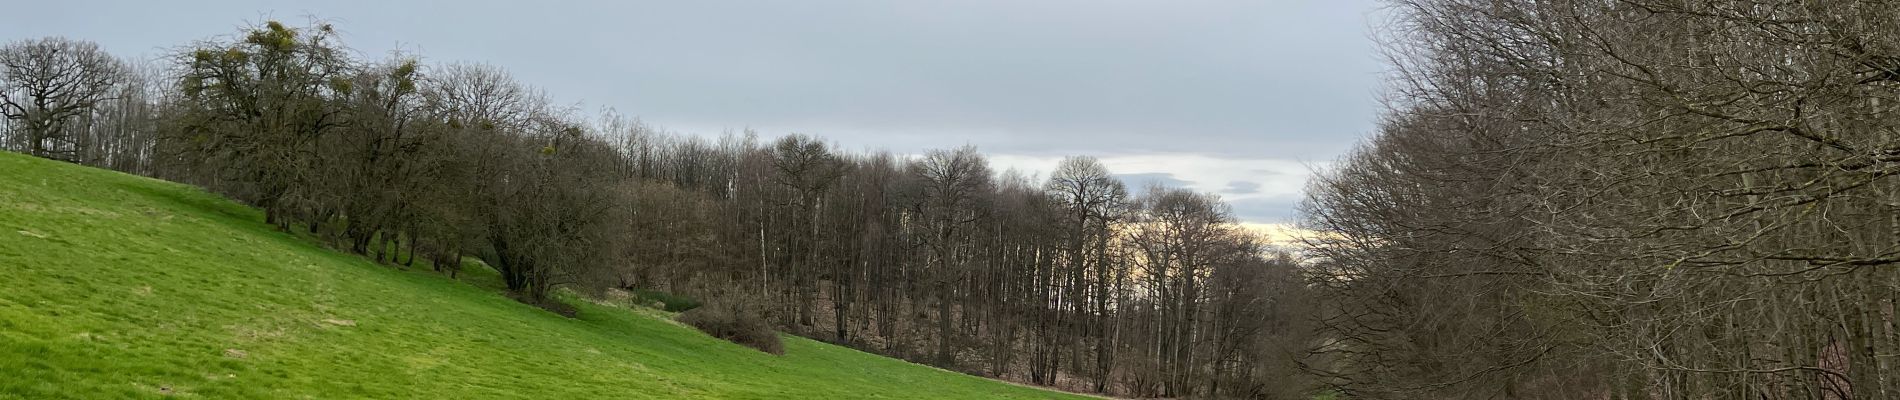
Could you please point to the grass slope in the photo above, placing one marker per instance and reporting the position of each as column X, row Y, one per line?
column 117, row 286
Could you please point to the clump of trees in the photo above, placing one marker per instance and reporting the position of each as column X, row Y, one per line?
column 1070, row 280
column 1627, row 199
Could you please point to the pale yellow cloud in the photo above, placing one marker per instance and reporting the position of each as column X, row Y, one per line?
column 1279, row 234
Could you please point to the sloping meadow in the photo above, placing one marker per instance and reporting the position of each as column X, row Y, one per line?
column 117, row 286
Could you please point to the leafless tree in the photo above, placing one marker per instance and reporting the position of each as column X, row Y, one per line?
column 48, row 87
column 1565, row 190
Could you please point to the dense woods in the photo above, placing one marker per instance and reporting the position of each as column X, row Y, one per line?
column 1621, row 199
column 1070, row 279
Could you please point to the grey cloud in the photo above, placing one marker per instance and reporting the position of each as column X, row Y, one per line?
column 1277, row 79
column 1242, row 187
column 1277, row 209
column 1138, row 182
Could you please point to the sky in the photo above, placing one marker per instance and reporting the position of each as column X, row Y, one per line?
column 1244, row 99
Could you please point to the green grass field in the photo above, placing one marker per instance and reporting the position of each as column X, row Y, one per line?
column 118, row 286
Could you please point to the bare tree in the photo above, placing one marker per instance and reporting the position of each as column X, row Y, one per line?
column 48, row 86
column 1092, row 200
column 951, row 181
column 1564, row 188
column 807, row 167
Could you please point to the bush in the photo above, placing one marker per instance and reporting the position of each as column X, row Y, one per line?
column 550, row 304
column 668, row 301
column 734, row 324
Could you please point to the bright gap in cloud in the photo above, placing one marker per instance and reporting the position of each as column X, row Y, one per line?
column 1261, row 190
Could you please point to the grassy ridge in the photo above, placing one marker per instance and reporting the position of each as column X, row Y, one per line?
column 115, row 286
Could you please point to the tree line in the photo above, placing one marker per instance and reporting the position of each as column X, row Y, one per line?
column 1619, row 200
column 1071, row 280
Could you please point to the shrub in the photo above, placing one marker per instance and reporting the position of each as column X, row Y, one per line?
column 668, row 301
column 550, row 304
column 735, row 324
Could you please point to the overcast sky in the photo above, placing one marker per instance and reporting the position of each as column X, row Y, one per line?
column 1240, row 98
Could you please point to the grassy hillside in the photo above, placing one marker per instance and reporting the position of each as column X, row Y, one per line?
column 117, row 286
